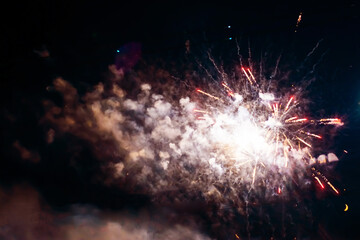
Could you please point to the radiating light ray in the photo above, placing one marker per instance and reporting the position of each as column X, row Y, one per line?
column 253, row 175
column 276, row 109
column 201, row 118
column 252, row 76
column 269, row 105
column 325, row 180
column 247, row 76
column 288, row 104
column 200, row 111
column 298, row 120
column 331, row 121
column 208, row 94
column 311, row 157
column 287, row 140
column 320, row 183
column 229, row 90
column 303, row 141
column 290, row 119
column 311, row 134
column 332, row 187
column 226, row 86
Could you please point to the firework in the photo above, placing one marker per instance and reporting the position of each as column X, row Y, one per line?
column 234, row 143
column 262, row 132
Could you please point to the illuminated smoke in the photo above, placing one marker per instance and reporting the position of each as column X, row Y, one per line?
column 25, row 215
column 161, row 144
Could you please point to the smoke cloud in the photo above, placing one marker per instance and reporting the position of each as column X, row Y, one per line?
column 25, row 215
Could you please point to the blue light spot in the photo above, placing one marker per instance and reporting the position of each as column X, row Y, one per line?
column 229, row 26
column 117, row 50
column 230, row 38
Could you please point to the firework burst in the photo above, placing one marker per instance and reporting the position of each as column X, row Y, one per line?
column 235, row 144
column 259, row 130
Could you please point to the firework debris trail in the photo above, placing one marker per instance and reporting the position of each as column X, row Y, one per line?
column 230, row 148
column 298, row 21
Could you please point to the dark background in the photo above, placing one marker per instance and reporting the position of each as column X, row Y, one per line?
column 82, row 38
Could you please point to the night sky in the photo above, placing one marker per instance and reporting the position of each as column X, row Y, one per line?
column 44, row 187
